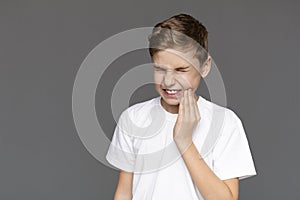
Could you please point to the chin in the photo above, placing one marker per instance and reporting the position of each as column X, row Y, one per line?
column 171, row 102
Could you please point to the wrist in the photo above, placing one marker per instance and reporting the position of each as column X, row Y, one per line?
column 182, row 139
column 183, row 143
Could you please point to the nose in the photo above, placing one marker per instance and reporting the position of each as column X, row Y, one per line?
column 169, row 79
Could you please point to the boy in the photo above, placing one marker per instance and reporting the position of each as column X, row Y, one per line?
column 178, row 47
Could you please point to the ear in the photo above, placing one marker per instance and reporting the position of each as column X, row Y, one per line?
column 205, row 68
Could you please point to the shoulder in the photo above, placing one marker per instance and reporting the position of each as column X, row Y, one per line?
column 140, row 113
column 215, row 112
column 227, row 126
column 142, row 106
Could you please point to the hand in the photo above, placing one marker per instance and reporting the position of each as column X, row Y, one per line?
column 187, row 120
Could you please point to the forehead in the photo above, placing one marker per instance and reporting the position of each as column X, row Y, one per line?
column 173, row 58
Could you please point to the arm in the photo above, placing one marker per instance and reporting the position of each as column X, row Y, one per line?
column 124, row 187
column 208, row 184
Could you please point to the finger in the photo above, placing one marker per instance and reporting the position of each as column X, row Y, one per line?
column 196, row 109
column 191, row 104
column 186, row 104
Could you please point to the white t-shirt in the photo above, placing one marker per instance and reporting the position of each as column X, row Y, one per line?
column 143, row 143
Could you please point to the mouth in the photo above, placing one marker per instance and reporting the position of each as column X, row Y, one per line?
column 172, row 92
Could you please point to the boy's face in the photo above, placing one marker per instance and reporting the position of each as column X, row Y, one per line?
column 176, row 72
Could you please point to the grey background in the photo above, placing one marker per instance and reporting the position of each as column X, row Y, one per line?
column 43, row 42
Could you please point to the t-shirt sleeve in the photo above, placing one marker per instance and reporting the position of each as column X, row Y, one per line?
column 121, row 152
column 232, row 156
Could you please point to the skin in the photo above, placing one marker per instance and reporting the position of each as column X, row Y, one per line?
column 124, row 187
column 171, row 75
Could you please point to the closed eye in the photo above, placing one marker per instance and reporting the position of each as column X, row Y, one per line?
column 158, row 68
column 182, row 70
column 179, row 69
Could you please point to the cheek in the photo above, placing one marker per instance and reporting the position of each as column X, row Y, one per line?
column 189, row 81
column 195, row 83
column 157, row 78
column 185, row 81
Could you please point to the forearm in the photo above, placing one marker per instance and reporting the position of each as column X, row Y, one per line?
column 124, row 187
column 122, row 197
column 208, row 184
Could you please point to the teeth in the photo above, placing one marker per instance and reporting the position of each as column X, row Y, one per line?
column 172, row 91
